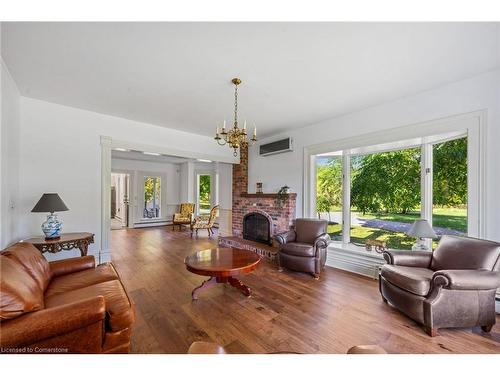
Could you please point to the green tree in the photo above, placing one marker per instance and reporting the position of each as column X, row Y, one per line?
column 150, row 189
column 205, row 189
column 450, row 173
column 329, row 186
column 388, row 181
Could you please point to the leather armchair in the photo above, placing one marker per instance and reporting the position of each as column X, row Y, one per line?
column 453, row 286
column 304, row 248
column 66, row 306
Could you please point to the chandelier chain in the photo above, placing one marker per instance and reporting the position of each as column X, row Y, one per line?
column 235, row 105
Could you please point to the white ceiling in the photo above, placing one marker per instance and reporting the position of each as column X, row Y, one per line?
column 294, row 74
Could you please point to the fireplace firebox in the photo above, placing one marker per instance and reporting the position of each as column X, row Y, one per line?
column 257, row 227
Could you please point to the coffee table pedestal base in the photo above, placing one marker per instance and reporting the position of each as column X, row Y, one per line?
column 207, row 284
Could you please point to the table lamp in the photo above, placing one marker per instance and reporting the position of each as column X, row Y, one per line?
column 422, row 230
column 51, row 202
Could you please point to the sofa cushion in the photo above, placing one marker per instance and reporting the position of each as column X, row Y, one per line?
column 307, row 230
column 19, row 292
column 119, row 310
column 32, row 260
column 81, row 279
column 465, row 253
column 412, row 279
column 299, row 249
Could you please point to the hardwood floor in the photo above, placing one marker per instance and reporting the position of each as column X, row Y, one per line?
column 288, row 311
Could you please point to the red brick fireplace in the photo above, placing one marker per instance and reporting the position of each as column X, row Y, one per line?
column 244, row 203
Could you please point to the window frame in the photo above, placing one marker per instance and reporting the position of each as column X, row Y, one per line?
column 139, row 194
column 213, row 186
column 159, row 194
column 430, row 133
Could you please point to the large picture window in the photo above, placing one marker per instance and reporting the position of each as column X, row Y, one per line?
column 385, row 196
column 449, row 190
column 329, row 192
column 388, row 188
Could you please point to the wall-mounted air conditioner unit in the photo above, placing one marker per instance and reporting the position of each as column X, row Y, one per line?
column 277, row 147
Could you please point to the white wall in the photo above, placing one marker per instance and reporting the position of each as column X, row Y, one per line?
column 481, row 92
column 9, row 158
column 225, row 197
column 188, row 182
column 60, row 152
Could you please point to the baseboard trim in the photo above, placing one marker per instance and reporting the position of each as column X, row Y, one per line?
column 104, row 256
column 152, row 224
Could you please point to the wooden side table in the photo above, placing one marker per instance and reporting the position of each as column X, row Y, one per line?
column 67, row 241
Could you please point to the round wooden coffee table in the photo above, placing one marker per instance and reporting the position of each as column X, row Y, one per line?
column 222, row 264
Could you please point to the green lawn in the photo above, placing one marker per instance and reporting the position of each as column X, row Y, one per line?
column 452, row 218
column 205, row 207
column 395, row 240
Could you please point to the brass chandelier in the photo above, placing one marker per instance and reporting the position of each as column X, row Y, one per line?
column 234, row 137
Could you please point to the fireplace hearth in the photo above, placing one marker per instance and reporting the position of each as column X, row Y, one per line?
column 257, row 227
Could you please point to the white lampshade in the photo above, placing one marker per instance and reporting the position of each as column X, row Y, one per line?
column 421, row 229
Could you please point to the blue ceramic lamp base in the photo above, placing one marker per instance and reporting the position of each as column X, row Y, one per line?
column 52, row 227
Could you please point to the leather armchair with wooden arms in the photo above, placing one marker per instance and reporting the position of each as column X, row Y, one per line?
column 304, row 248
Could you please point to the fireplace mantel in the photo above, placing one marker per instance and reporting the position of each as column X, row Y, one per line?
column 265, row 195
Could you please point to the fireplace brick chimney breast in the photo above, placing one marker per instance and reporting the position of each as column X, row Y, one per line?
column 244, row 203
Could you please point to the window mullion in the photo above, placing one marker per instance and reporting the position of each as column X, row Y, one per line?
column 426, row 183
column 346, row 198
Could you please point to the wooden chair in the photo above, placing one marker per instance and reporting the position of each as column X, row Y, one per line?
column 184, row 217
column 205, row 222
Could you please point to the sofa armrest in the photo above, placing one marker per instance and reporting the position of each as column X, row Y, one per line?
column 467, row 279
column 43, row 324
column 409, row 258
column 285, row 237
column 321, row 242
column 65, row 266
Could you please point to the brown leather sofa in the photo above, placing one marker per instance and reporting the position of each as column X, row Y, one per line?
column 66, row 306
column 304, row 249
column 453, row 286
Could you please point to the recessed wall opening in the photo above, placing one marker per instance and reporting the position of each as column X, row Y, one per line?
column 156, row 186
